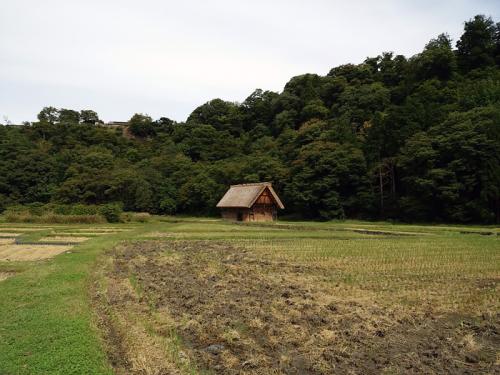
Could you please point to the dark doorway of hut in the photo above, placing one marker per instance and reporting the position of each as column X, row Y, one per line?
column 239, row 216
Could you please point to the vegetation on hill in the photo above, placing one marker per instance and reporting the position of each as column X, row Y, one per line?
column 393, row 137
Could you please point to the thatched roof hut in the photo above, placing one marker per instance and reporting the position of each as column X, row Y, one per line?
column 250, row 202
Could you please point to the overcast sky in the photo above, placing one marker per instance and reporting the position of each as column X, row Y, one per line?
column 165, row 58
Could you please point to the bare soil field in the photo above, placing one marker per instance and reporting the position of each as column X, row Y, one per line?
column 171, row 306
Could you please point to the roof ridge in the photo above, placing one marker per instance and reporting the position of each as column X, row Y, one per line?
column 254, row 184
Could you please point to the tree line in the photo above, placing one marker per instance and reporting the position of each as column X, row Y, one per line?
column 415, row 139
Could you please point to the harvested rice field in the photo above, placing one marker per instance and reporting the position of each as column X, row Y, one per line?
column 211, row 297
column 302, row 299
column 12, row 252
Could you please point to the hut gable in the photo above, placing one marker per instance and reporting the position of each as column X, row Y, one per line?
column 250, row 202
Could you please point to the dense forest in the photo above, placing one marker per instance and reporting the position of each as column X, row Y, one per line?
column 414, row 139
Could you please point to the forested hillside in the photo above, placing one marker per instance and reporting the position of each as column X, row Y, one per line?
column 414, row 139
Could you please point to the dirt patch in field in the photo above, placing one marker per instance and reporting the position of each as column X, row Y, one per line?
column 91, row 234
column 103, row 230
column 5, row 275
column 9, row 234
column 13, row 252
column 384, row 232
column 64, row 239
column 239, row 314
column 21, row 229
column 160, row 235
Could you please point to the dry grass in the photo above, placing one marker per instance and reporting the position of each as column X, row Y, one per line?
column 6, row 241
column 32, row 228
column 103, row 229
column 5, row 275
column 160, row 235
column 12, row 252
column 63, row 239
column 9, row 234
column 84, row 234
column 384, row 231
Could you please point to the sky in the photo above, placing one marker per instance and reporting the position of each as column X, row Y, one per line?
column 165, row 58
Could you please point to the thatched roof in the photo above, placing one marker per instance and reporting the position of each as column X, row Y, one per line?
column 245, row 195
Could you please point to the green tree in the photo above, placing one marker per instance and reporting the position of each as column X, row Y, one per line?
column 69, row 116
column 222, row 115
column 49, row 115
column 329, row 180
column 258, row 109
column 476, row 47
column 88, row 116
column 437, row 60
column 452, row 172
column 141, row 125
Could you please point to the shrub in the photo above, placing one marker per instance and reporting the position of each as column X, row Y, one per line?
column 72, row 219
column 61, row 209
column 111, row 212
column 74, row 209
column 168, row 206
column 141, row 217
column 52, row 218
column 80, row 209
column 36, row 208
column 60, row 213
column 15, row 216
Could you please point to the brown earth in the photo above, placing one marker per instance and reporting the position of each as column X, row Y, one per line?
column 236, row 313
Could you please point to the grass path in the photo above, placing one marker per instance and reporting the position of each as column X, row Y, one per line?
column 46, row 323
